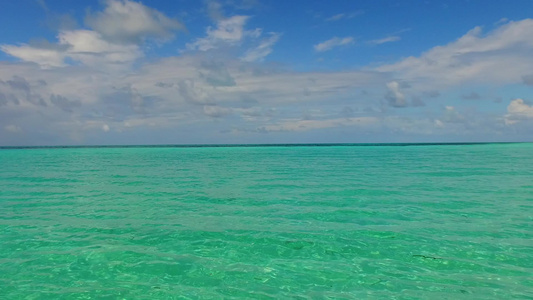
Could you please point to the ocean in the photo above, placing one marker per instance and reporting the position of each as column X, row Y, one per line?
column 267, row 222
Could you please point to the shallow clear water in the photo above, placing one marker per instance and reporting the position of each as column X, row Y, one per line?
column 344, row 222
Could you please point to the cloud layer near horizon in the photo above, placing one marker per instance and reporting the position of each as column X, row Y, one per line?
column 93, row 85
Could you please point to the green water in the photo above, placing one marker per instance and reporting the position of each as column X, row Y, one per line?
column 339, row 222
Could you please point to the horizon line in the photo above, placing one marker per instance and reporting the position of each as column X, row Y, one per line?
column 258, row 145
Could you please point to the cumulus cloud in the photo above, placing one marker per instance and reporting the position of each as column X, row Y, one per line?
column 231, row 33
column 519, row 107
column 189, row 83
column 86, row 83
column 518, row 110
column 333, row 43
column 130, row 22
column 191, row 91
column 117, row 32
column 208, row 82
column 453, row 121
column 89, row 48
column 388, row 39
column 44, row 57
column 84, row 46
column 501, row 56
column 19, row 83
column 18, row 91
column 194, row 93
column 394, row 96
column 451, row 115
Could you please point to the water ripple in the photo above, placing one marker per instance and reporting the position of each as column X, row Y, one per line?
column 431, row 222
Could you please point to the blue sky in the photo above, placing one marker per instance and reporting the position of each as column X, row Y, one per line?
column 258, row 71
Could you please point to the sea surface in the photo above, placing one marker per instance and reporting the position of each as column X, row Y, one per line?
column 276, row 222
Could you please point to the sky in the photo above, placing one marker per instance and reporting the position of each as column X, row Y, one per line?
column 121, row 72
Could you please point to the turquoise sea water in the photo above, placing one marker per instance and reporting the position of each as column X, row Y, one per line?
column 336, row 222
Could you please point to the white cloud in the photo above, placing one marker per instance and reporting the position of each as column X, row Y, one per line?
column 259, row 97
column 190, row 79
column 451, row 115
column 89, row 48
column 332, row 43
column 127, row 21
column 262, row 50
column 77, row 95
column 231, row 32
column 169, row 93
column 228, row 32
column 384, row 40
column 395, row 97
column 518, row 110
column 45, row 57
column 83, row 46
column 502, row 56
column 194, row 92
column 117, row 31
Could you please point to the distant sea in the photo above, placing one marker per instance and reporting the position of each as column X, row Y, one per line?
column 267, row 222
